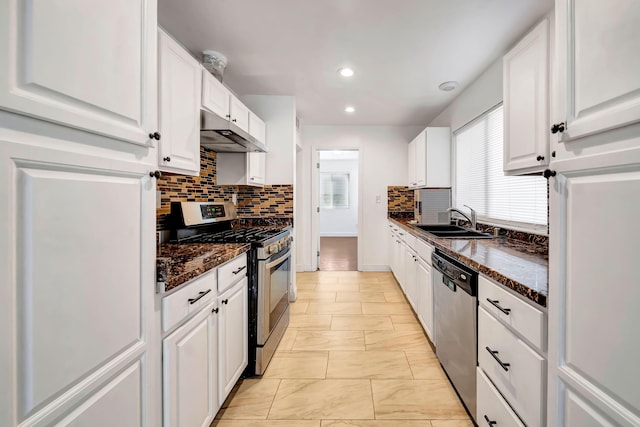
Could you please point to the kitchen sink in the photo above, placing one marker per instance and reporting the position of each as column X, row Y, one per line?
column 444, row 231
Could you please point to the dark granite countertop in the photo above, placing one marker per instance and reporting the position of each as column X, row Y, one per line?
column 177, row 263
column 518, row 265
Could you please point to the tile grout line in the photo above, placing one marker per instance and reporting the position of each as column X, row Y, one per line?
column 274, row 399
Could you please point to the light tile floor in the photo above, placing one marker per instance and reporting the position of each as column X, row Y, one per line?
column 354, row 355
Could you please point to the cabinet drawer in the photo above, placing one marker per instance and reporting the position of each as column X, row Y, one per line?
column 521, row 316
column 410, row 240
column 231, row 272
column 424, row 250
column 521, row 379
column 491, row 406
column 188, row 300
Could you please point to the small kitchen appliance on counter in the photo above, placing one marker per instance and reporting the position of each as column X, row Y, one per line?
column 430, row 206
column 269, row 269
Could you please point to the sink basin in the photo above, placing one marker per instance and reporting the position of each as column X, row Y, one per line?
column 444, row 231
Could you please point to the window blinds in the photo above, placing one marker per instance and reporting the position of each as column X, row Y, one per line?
column 334, row 190
column 481, row 183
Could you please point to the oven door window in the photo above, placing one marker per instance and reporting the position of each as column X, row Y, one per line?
column 278, row 278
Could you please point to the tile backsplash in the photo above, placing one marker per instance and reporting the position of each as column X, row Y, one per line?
column 271, row 202
column 399, row 199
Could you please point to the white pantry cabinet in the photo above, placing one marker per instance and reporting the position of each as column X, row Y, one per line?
column 179, row 108
column 429, row 158
column 86, row 65
column 526, row 103
column 598, row 69
column 593, row 188
column 79, row 343
column 190, row 371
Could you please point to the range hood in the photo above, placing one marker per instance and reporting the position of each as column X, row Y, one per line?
column 223, row 136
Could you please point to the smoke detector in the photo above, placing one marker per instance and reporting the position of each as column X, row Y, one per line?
column 448, row 86
column 214, row 62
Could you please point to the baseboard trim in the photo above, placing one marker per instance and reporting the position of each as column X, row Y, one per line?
column 339, row 234
column 374, row 267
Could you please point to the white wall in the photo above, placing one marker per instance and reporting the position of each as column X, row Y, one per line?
column 279, row 113
column 484, row 93
column 341, row 222
column 383, row 160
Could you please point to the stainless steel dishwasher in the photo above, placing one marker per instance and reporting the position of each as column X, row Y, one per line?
column 455, row 288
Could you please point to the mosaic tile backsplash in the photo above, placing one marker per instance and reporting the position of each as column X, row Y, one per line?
column 399, row 199
column 273, row 202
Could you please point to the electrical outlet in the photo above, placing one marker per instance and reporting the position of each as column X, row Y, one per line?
column 378, row 199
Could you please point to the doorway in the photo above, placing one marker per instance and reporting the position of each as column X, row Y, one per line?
column 338, row 210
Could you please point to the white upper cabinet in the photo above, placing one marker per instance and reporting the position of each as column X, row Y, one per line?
column 215, row 96
column 526, row 103
column 429, row 158
column 256, row 168
column 598, row 65
column 179, row 112
column 239, row 113
column 87, row 65
column 257, row 127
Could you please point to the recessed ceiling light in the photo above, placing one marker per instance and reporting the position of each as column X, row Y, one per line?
column 349, row 109
column 448, row 86
column 346, row 72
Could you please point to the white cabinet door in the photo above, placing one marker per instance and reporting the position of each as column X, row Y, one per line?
column 420, row 162
column 424, row 297
column 87, row 65
column 239, row 113
column 526, row 103
column 594, row 292
column 179, row 112
column 411, row 163
column 257, row 128
column 189, row 358
column 398, row 261
column 233, row 330
column 598, row 65
column 215, row 96
column 410, row 260
column 79, row 335
column 437, row 157
column 256, row 168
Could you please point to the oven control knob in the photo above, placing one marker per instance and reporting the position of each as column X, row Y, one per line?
column 463, row 277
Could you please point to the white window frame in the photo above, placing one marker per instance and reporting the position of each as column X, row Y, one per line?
column 540, row 229
column 347, row 190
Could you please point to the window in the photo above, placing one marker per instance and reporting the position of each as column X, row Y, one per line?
column 334, row 190
column 481, row 183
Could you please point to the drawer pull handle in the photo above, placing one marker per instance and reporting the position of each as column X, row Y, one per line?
column 200, row 295
column 491, row 423
column 239, row 269
column 505, row 366
column 495, row 303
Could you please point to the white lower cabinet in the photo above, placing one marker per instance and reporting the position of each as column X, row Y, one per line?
column 410, row 265
column 491, row 408
column 507, row 360
column 424, row 298
column 233, row 326
column 190, row 371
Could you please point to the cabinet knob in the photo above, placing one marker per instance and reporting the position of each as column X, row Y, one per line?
column 154, row 135
column 215, row 310
column 225, row 301
column 228, row 116
column 234, row 120
column 558, row 127
column 155, row 174
column 548, row 173
column 540, row 158
column 167, row 159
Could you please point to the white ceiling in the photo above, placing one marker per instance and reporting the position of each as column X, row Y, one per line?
column 401, row 50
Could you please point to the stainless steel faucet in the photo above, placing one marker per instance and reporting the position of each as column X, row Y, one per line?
column 472, row 219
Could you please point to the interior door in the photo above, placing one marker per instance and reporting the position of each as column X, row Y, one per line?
column 87, row 65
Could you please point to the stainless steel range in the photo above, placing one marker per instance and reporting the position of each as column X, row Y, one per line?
column 269, row 269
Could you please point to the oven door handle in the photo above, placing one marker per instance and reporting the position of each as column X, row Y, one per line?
column 279, row 260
